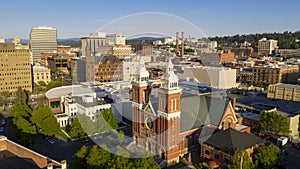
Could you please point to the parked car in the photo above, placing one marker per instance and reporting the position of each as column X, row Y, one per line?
column 51, row 141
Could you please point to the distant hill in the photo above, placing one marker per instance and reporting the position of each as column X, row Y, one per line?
column 286, row 40
column 143, row 40
column 74, row 42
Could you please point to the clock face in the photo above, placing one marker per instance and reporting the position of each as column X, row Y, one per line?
column 149, row 123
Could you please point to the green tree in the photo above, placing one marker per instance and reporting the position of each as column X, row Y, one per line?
column 121, row 136
column 107, row 121
column 240, row 158
column 24, row 129
column 20, row 110
column 78, row 161
column 41, row 101
column 4, row 96
column 146, row 162
column 274, row 123
column 56, row 83
column 44, row 119
column 97, row 157
column 42, row 83
column 88, row 125
column 75, row 130
column 266, row 157
column 123, row 160
column 21, row 96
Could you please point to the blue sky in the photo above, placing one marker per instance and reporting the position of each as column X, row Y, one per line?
column 76, row 18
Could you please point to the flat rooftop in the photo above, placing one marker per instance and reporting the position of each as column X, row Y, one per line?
column 259, row 103
column 287, row 85
column 8, row 160
column 74, row 89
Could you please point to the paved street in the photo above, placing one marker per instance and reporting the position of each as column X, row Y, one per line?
column 292, row 158
column 60, row 150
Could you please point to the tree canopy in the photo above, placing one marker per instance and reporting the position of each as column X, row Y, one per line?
column 21, row 96
column 75, row 130
column 44, row 119
column 24, row 129
column 286, row 40
column 106, row 120
column 98, row 158
column 273, row 122
column 266, row 157
column 240, row 158
column 56, row 83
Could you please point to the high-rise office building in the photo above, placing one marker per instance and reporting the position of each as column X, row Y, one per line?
column 42, row 40
column 266, row 47
column 15, row 68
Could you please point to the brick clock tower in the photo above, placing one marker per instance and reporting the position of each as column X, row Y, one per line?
column 157, row 130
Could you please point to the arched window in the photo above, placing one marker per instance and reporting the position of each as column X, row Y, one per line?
column 227, row 124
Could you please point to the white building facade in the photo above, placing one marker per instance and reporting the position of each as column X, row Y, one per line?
column 216, row 77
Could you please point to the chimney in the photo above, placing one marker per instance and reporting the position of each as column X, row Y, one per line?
column 63, row 164
column 182, row 44
column 177, row 45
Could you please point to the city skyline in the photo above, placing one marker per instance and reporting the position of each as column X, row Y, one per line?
column 218, row 18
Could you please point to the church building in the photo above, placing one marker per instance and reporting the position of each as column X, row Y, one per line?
column 170, row 122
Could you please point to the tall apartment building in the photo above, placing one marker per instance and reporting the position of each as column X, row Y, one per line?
column 144, row 50
column 42, row 39
column 284, row 92
column 244, row 51
column 272, row 74
column 218, row 58
column 15, row 68
column 265, row 47
column 109, row 69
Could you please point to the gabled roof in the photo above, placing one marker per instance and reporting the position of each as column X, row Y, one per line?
column 197, row 110
column 230, row 140
column 201, row 110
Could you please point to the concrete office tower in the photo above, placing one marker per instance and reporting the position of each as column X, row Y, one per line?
column 115, row 39
column 42, row 40
column 91, row 45
column 15, row 68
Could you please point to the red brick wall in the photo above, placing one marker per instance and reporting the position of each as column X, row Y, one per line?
column 25, row 153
